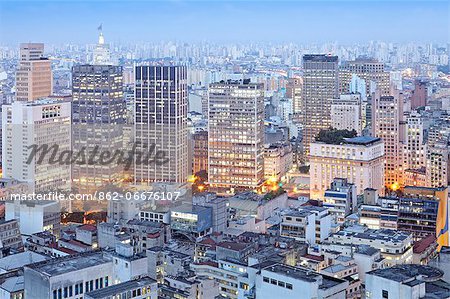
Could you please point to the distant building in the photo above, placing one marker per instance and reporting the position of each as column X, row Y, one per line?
column 369, row 70
column 360, row 160
column 219, row 206
column 347, row 113
column 34, row 73
column 419, row 94
column 101, row 54
column 294, row 92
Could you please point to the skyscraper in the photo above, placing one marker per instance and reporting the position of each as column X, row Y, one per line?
column 161, row 99
column 34, row 73
column 387, row 114
column 37, row 127
column 320, row 85
column 236, row 136
column 98, row 116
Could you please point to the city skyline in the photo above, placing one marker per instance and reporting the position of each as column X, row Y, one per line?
column 222, row 21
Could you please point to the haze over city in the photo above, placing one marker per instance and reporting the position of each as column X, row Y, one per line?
column 225, row 21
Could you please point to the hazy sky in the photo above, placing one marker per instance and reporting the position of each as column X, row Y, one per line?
column 224, row 21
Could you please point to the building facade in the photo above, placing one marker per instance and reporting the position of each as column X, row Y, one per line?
column 347, row 113
column 360, row 160
column 320, row 85
column 98, row 116
column 236, row 136
column 387, row 116
column 34, row 73
column 161, row 122
column 35, row 134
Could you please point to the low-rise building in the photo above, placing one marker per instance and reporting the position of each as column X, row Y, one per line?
column 340, row 199
column 406, row 282
column 68, row 276
column 396, row 247
column 282, row 281
column 10, row 238
column 142, row 288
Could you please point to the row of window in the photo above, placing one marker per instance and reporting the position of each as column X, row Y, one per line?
column 278, row 283
column 78, row 289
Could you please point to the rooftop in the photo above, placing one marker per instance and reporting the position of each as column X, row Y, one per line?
column 121, row 287
column 320, row 58
column 422, row 245
column 71, row 263
column 362, row 140
column 294, row 272
column 404, row 273
column 375, row 234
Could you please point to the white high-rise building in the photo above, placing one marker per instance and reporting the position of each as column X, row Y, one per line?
column 347, row 113
column 41, row 127
column 360, row 160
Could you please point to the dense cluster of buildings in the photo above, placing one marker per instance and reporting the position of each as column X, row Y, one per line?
column 325, row 179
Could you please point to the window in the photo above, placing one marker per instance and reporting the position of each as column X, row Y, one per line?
column 288, row 286
column 273, row 281
column 385, row 294
column 265, row 279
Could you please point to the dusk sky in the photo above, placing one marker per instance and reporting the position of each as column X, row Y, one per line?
column 224, row 21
